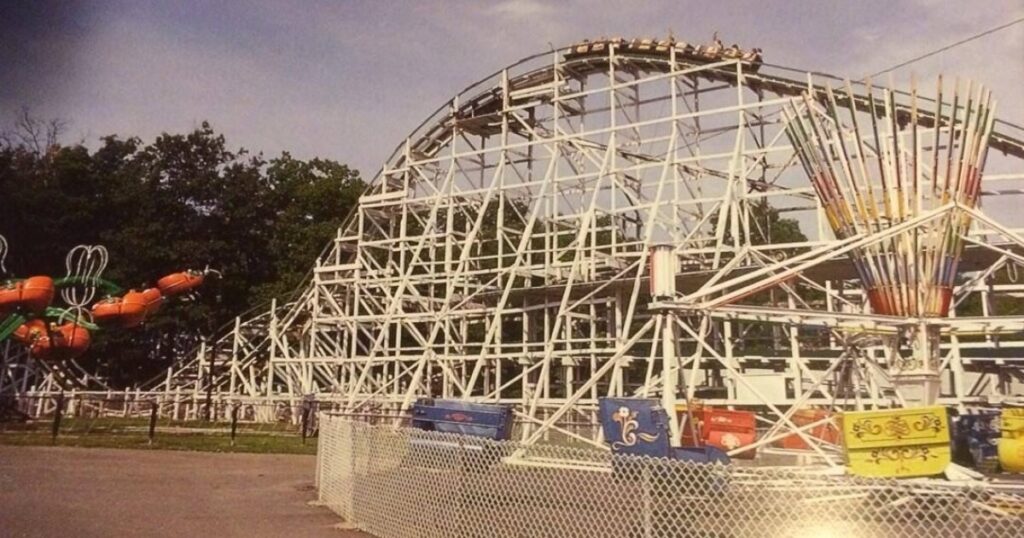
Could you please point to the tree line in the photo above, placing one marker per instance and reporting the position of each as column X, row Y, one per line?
column 182, row 201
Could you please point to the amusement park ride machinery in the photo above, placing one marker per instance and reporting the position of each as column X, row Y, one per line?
column 610, row 219
column 41, row 340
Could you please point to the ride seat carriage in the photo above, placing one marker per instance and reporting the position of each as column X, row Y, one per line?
column 639, row 427
column 479, row 429
column 976, row 440
column 732, row 52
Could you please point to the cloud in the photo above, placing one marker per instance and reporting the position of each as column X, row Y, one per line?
column 988, row 60
column 521, row 8
column 349, row 80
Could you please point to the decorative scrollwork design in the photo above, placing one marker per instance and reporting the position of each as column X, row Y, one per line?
column 630, row 435
column 897, row 427
column 901, row 455
column 928, row 422
column 904, row 364
column 865, row 427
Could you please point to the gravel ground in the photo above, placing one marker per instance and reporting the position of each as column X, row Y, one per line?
column 87, row 492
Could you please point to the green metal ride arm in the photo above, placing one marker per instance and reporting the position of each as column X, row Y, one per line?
column 107, row 287
column 9, row 324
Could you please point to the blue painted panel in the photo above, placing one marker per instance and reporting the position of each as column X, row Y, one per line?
column 975, row 439
column 467, row 418
column 639, row 427
column 636, row 426
column 707, row 454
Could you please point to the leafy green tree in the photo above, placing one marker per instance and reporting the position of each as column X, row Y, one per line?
column 311, row 198
column 183, row 201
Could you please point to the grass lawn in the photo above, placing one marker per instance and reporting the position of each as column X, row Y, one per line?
column 170, row 435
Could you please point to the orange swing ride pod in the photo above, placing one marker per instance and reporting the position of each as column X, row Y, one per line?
column 152, row 299
column 33, row 294
column 128, row 311
column 179, row 283
column 62, row 343
column 802, row 417
column 133, row 308
column 107, row 311
column 125, row 312
column 28, row 332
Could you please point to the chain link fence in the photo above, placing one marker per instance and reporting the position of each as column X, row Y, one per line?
column 398, row 483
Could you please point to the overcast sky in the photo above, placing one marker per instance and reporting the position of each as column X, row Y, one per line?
column 348, row 80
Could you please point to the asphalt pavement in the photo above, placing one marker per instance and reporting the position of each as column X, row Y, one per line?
column 86, row 492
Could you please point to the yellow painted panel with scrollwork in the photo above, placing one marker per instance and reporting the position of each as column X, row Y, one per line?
column 897, row 442
column 900, row 461
column 895, row 427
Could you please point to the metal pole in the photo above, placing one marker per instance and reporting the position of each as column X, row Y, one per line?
column 152, row 420
column 669, row 375
column 305, row 419
column 57, row 412
column 209, row 385
column 234, row 422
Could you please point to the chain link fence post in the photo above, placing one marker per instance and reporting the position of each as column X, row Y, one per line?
column 153, row 408
column 305, row 418
column 234, row 422
column 57, row 412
